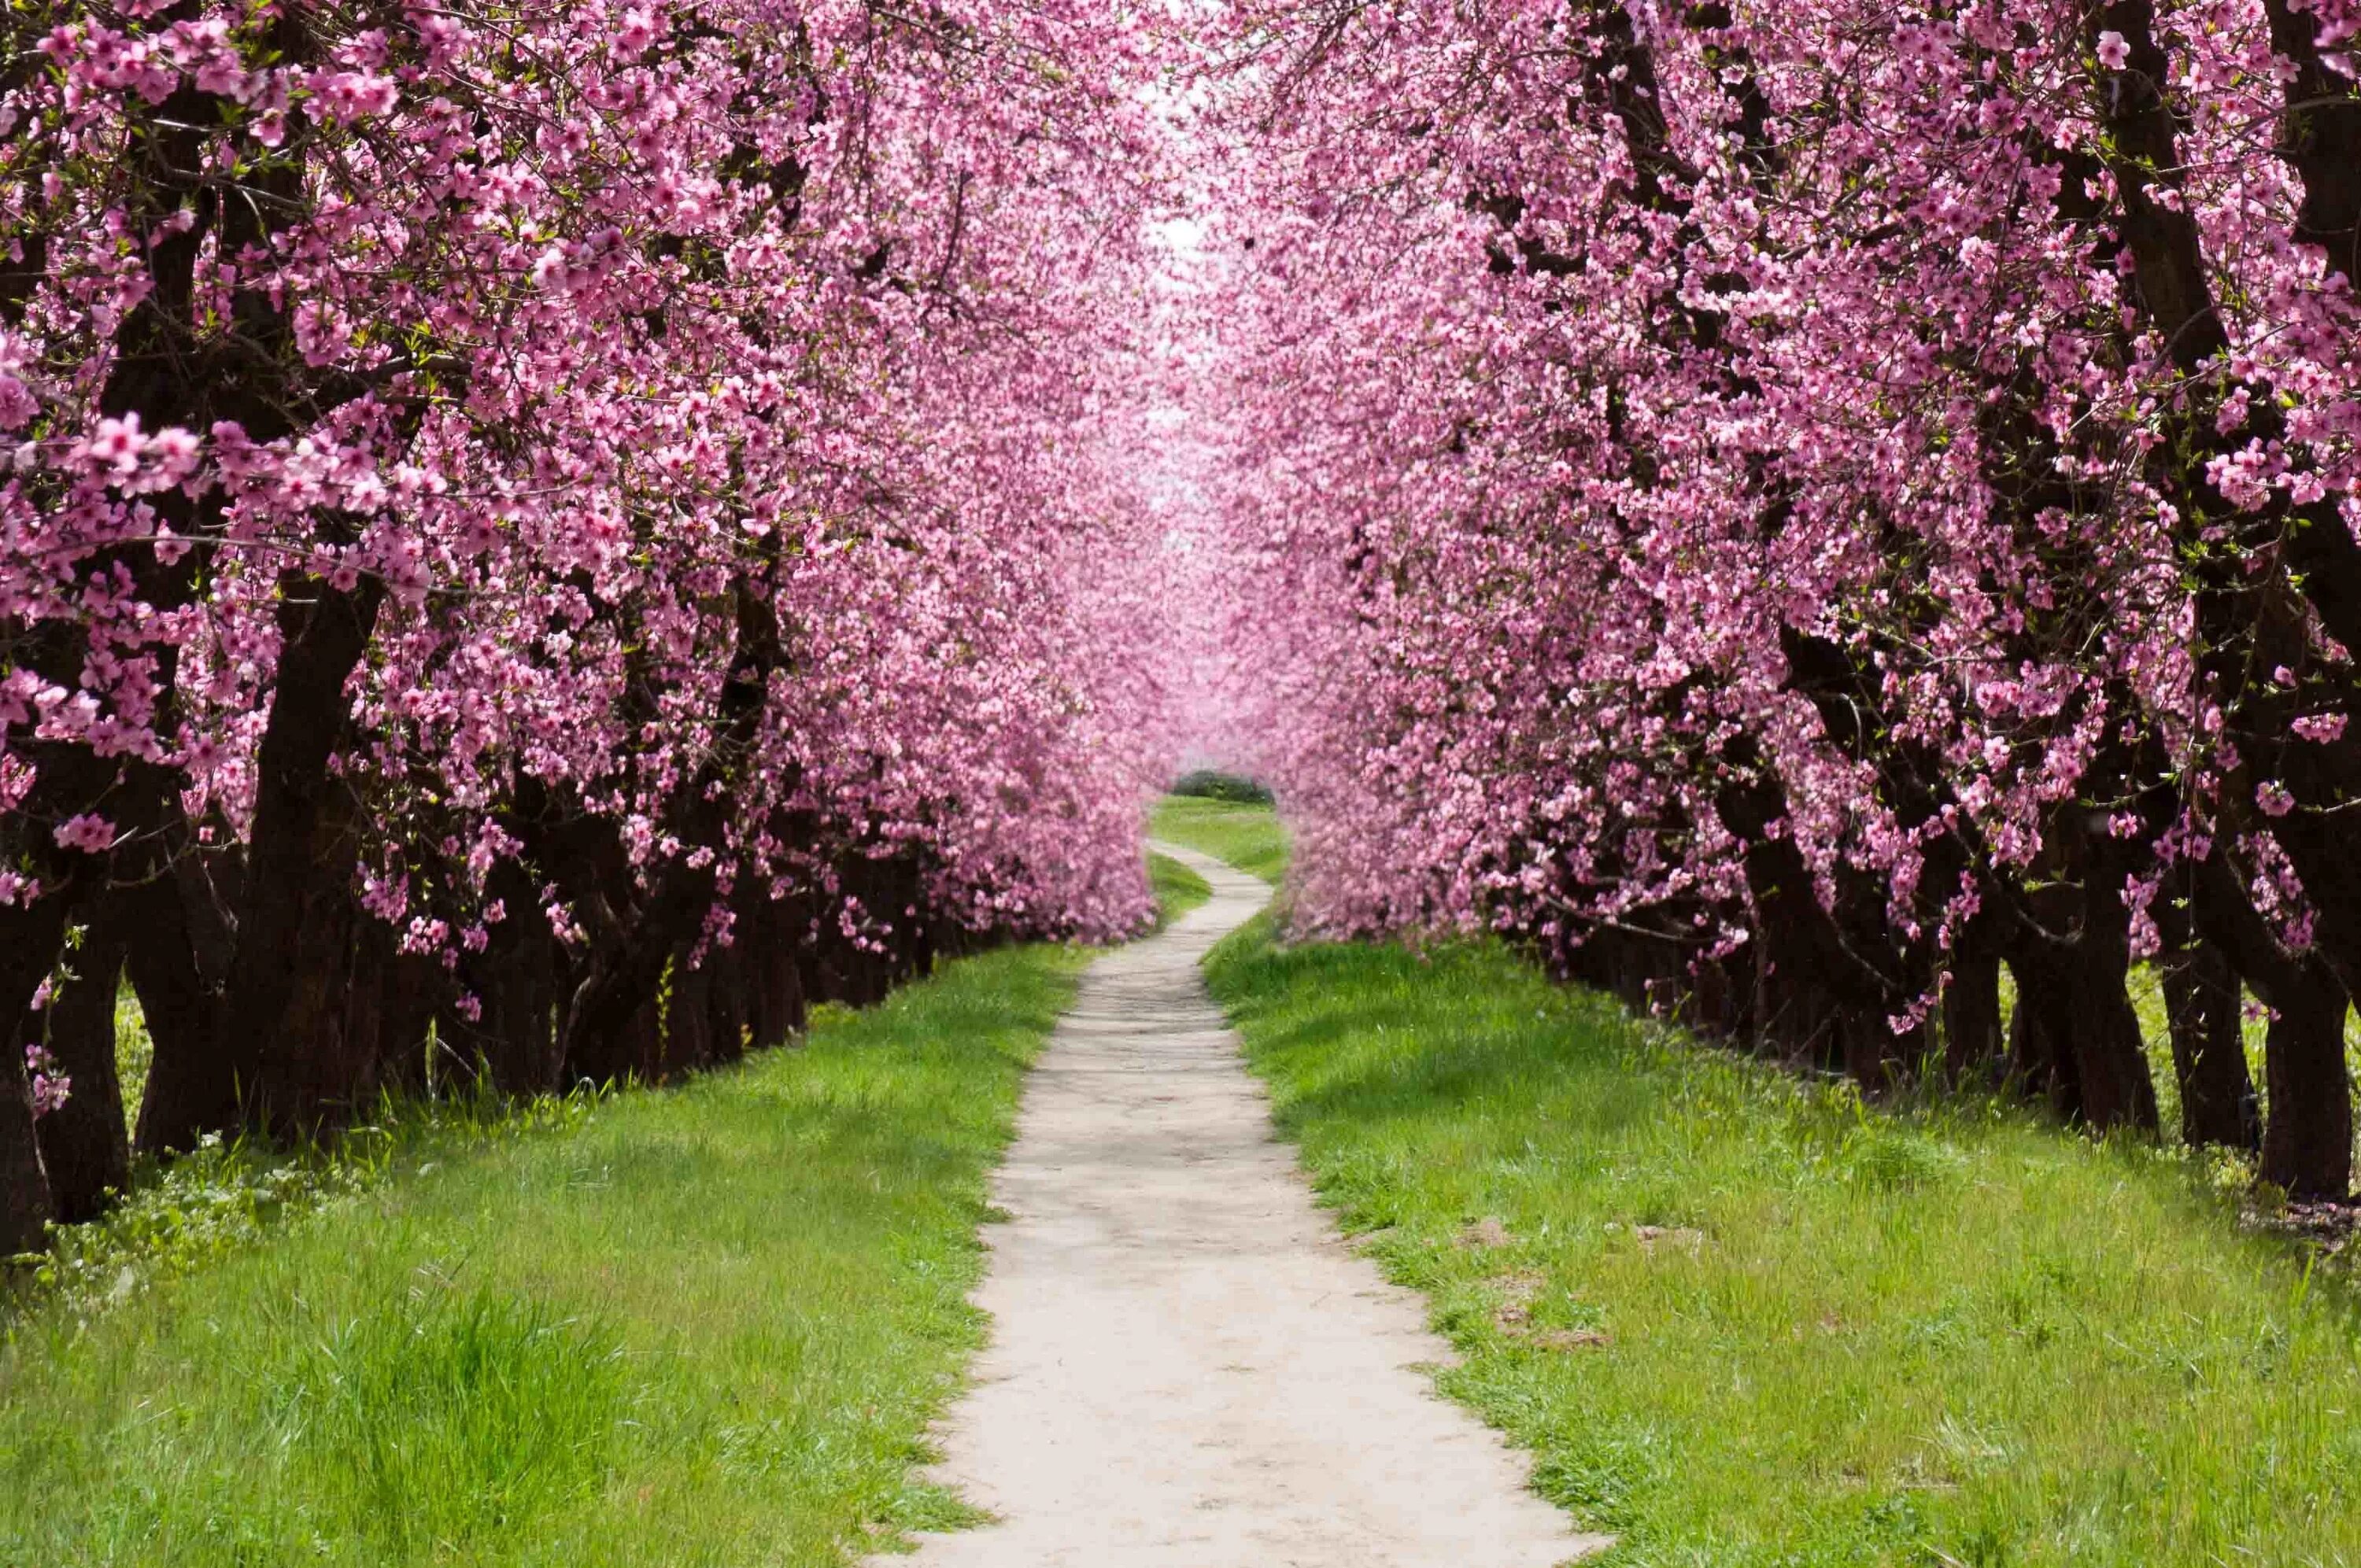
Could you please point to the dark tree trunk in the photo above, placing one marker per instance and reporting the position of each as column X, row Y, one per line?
column 295, row 928
column 687, row 1045
column 32, row 940
column 26, row 1208
column 2040, row 1055
column 612, row 1028
column 2202, row 1001
column 1973, row 1038
column 84, row 1146
column 2308, row 1143
column 510, row 1045
column 773, row 930
column 1799, row 1020
column 1711, row 1008
column 2076, row 1036
column 318, row 1061
column 2071, row 953
column 252, row 1016
column 516, row 979
column 1874, row 1057
column 614, row 1049
column 2319, row 135
column 616, row 993
column 1818, row 994
column 391, row 1008
column 726, row 1011
column 2111, row 1059
column 2307, row 1124
column 2320, row 138
column 192, row 1080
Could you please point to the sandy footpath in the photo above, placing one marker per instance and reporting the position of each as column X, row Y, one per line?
column 1187, row 1367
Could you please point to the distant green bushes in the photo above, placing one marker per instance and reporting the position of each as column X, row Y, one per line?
column 1210, row 784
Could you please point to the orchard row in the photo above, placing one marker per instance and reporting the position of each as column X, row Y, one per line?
column 1791, row 506
column 567, row 532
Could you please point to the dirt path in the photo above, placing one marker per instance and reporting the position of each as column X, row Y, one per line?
column 1188, row 1368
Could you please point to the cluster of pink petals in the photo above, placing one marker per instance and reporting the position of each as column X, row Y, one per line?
column 50, row 1087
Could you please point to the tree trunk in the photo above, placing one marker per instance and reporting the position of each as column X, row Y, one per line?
column 2111, row 1059
column 512, row 1043
column 2079, row 1037
column 25, row 1207
column 688, row 1016
column 390, row 1007
column 2072, row 964
column 2040, row 1057
column 294, row 930
column 1874, row 1055
column 2075, row 1038
column 84, row 1146
column 2308, row 1123
column 2308, row 1142
column 1972, row 1033
column 773, row 930
column 2202, row 1001
column 726, row 1027
column 193, row 1081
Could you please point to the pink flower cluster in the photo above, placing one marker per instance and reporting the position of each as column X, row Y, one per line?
column 50, row 1087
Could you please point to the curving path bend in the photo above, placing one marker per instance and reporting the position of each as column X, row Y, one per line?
column 1188, row 1368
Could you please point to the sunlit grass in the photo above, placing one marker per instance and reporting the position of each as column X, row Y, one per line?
column 704, row 1325
column 1177, row 888
column 1247, row 836
column 133, row 1051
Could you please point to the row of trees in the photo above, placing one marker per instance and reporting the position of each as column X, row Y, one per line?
column 1790, row 508
column 565, row 532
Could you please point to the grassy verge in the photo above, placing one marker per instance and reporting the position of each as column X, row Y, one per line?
column 1244, row 835
column 1740, row 1320
column 699, row 1326
column 1177, row 888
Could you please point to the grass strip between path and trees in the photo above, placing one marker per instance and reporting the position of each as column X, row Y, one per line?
column 1740, row 1317
column 700, row 1325
column 1241, row 833
column 1177, row 888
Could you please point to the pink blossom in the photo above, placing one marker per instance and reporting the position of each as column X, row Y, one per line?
column 88, row 832
column 2322, row 728
column 50, row 1087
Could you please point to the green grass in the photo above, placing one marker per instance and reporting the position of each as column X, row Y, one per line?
column 706, row 1325
column 1247, row 836
column 1177, row 888
column 1846, row 1337
column 134, row 1050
